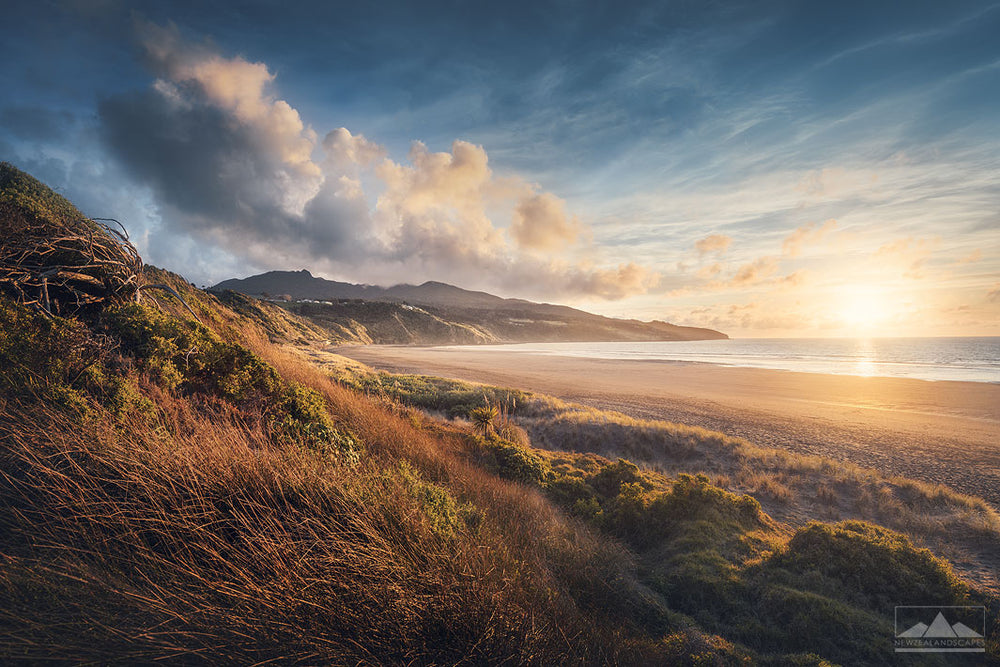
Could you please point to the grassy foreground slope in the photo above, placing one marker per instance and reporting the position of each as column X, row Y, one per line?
column 188, row 492
column 792, row 488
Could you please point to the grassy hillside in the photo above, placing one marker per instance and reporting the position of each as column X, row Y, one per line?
column 440, row 314
column 792, row 488
column 190, row 492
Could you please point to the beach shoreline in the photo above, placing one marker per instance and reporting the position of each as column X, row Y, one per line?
column 936, row 431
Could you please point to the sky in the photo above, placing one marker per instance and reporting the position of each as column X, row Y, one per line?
column 787, row 168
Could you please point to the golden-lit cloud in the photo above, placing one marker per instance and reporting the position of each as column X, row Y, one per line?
column 458, row 179
column 345, row 150
column 433, row 214
column 613, row 284
column 794, row 279
column 231, row 165
column 755, row 272
column 710, row 271
column 541, row 223
column 752, row 316
column 433, row 210
column 972, row 257
column 809, row 233
column 236, row 86
column 908, row 254
column 717, row 243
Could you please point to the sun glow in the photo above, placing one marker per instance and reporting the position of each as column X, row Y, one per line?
column 863, row 308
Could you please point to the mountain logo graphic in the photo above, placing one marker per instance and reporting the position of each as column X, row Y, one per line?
column 951, row 630
column 939, row 629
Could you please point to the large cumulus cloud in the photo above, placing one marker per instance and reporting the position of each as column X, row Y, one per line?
column 232, row 166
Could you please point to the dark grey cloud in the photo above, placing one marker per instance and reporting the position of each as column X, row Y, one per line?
column 215, row 177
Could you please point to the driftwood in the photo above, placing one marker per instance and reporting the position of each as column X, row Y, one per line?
column 57, row 260
column 69, row 268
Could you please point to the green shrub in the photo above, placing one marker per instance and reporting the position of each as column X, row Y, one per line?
column 567, row 491
column 234, row 373
column 45, row 357
column 697, row 649
column 184, row 355
column 23, row 195
column 445, row 515
column 626, row 515
column 117, row 393
column 866, row 565
column 303, row 418
column 514, row 462
column 693, row 497
column 451, row 397
column 803, row 621
column 609, row 480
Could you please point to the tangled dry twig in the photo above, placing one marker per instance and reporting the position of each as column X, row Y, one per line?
column 59, row 261
column 68, row 268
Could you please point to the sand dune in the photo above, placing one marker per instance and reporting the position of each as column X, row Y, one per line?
column 940, row 432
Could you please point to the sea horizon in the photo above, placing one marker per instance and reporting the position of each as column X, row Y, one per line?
column 931, row 358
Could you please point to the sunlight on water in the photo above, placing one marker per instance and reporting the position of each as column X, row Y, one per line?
column 866, row 366
column 964, row 359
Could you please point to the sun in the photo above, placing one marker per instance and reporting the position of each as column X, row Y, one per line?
column 862, row 307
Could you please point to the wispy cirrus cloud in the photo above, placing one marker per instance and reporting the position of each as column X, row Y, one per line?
column 714, row 243
column 808, row 233
column 909, row 254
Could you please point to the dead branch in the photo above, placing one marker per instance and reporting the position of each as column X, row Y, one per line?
column 69, row 268
column 171, row 290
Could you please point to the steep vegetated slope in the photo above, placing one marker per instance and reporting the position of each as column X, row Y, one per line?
column 791, row 487
column 188, row 492
column 436, row 313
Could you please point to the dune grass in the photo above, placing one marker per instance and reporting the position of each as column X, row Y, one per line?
column 197, row 527
column 794, row 488
column 183, row 492
column 243, row 507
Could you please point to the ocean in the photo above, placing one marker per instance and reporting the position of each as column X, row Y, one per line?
column 965, row 359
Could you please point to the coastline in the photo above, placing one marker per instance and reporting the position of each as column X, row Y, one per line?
column 940, row 432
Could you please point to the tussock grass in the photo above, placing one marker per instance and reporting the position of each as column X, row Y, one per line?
column 216, row 518
column 197, row 537
column 184, row 492
column 794, row 488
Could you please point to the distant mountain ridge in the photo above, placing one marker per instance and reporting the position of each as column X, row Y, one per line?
column 439, row 313
column 303, row 285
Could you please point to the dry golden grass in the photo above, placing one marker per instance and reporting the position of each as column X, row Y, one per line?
column 206, row 542
column 190, row 496
column 793, row 488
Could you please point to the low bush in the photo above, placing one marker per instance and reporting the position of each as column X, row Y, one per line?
column 45, row 358
column 866, row 565
column 693, row 497
column 513, row 462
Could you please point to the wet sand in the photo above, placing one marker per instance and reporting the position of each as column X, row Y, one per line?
column 939, row 432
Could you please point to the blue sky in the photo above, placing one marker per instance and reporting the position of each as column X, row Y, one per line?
column 764, row 168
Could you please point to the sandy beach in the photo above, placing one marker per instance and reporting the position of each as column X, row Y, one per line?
column 939, row 432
